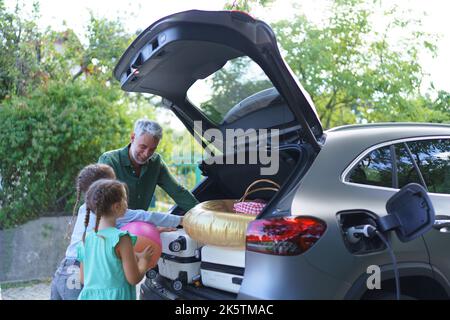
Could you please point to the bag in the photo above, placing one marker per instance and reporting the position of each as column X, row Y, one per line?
column 222, row 268
column 253, row 207
column 180, row 258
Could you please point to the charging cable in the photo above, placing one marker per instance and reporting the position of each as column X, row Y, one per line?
column 356, row 233
column 394, row 262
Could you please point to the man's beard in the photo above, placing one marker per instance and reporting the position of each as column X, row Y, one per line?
column 139, row 162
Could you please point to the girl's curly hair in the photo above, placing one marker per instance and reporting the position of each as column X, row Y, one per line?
column 86, row 177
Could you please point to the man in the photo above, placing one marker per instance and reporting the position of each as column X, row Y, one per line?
column 141, row 168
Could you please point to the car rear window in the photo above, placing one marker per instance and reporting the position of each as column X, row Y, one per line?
column 218, row 93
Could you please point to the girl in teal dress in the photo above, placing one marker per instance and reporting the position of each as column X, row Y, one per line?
column 109, row 267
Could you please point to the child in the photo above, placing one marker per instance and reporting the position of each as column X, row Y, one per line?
column 65, row 284
column 109, row 267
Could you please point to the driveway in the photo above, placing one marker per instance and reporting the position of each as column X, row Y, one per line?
column 32, row 290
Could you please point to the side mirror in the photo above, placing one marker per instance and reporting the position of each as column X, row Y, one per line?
column 410, row 213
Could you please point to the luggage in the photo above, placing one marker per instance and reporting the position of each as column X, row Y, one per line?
column 222, row 268
column 180, row 258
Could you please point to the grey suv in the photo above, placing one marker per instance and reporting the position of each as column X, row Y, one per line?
column 225, row 70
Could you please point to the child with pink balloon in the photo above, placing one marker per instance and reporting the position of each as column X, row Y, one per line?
column 109, row 268
column 65, row 284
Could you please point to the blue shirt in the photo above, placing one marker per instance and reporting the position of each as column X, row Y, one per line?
column 158, row 219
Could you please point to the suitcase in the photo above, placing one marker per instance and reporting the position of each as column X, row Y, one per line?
column 180, row 258
column 222, row 267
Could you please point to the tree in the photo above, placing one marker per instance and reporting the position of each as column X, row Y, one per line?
column 48, row 136
column 238, row 80
column 20, row 52
column 245, row 5
column 60, row 109
column 353, row 73
column 107, row 40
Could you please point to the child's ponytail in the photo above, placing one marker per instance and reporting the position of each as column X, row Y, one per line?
column 101, row 195
column 86, row 221
column 97, row 221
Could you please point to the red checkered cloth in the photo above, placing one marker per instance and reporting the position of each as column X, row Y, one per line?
column 249, row 207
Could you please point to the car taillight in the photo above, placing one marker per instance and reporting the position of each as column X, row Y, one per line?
column 285, row 236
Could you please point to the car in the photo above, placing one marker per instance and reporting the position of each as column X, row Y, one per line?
column 223, row 69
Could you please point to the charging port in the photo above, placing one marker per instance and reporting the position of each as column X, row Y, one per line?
column 354, row 224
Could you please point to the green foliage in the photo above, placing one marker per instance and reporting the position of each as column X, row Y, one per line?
column 107, row 41
column 60, row 109
column 47, row 138
column 19, row 48
column 231, row 84
column 353, row 72
column 245, row 5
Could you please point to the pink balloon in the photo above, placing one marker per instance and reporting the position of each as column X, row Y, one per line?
column 143, row 229
column 147, row 235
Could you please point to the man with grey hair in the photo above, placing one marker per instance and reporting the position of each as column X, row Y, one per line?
column 141, row 168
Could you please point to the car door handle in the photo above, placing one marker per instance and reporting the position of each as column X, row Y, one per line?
column 442, row 223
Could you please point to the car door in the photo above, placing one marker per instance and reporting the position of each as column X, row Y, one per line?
column 425, row 161
column 374, row 177
column 433, row 160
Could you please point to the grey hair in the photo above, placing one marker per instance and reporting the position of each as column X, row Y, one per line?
column 152, row 128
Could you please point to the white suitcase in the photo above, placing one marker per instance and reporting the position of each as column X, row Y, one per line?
column 180, row 258
column 222, row 267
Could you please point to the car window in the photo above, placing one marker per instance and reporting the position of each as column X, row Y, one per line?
column 218, row 93
column 375, row 169
column 406, row 172
column 433, row 159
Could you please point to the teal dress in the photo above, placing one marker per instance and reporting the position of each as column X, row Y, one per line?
column 104, row 277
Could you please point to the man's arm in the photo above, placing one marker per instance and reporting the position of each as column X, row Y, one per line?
column 158, row 219
column 183, row 197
